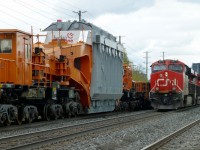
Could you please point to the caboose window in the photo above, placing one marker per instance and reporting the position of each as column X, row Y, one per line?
column 28, row 51
column 176, row 67
column 5, row 46
column 159, row 68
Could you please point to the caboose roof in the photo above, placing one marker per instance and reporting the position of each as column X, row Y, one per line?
column 13, row 31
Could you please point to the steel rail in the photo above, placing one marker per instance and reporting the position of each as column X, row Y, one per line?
column 41, row 123
column 86, row 129
column 187, row 108
column 166, row 139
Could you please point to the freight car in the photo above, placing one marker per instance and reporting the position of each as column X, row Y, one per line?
column 173, row 85
column 141, row 96
column 135, row 93
column 78, row 69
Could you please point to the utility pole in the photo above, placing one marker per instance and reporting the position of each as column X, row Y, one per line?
column 79, row 14
column 147, row 64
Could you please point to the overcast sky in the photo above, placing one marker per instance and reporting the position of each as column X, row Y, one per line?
column 154, row 26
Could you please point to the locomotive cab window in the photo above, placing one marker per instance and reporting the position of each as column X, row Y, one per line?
column 176, row 67
column 5, row 46
column 157, row 68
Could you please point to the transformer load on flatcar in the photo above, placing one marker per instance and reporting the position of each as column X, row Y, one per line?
column 173, row 85
column 94, row 61
column 135, row 93
column 78, row 69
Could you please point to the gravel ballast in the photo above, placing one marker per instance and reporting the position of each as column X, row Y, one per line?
column 137, row 136
column 124, row 137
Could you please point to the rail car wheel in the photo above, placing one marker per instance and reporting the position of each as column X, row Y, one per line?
column 29, row 119
column 66, row 108
column 30, row 113
column 7, row 121
column 75, row 109
column 20, row 116
column 125, row 106
column 132, row 105
column 2, row 118
column 56, row 111
column 8, row 114
column 19, row 120
column 47, row 112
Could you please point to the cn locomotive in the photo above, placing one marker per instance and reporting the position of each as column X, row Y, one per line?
column 78, row 69
column 173, row 85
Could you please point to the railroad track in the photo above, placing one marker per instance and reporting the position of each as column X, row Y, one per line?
column 47, row 137
column 158, row 144
column 187, row 108
column 41, row 123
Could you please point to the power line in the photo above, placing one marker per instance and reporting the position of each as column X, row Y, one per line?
column 52, row 6
column 71, row 5
column 8, row 24
column 16, row 18
column 30, row 8
column 88, row 12
column 20, row 13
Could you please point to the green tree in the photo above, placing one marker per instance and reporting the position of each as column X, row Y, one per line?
column 138, row 75
column 125, row 58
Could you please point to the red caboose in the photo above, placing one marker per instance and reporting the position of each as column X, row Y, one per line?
column 173, row 85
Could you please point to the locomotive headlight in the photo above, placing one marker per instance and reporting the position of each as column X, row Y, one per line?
column 174, row 89
column 157, row 89
column 166, row 74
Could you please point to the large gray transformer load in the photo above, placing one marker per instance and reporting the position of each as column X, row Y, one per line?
column 107, row 57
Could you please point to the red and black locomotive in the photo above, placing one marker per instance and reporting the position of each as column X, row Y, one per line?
column 173, row 85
